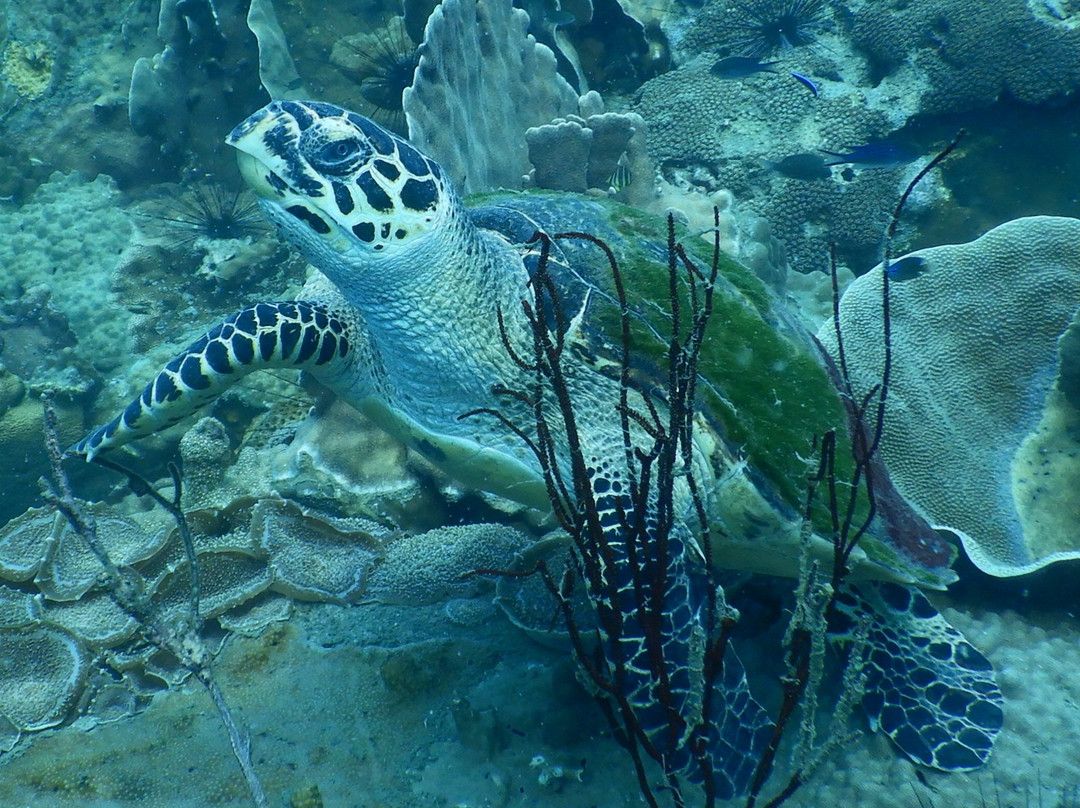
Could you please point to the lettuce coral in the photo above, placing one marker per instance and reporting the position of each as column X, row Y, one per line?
column 980, row 431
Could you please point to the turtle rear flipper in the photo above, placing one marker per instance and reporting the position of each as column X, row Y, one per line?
column 927, row 688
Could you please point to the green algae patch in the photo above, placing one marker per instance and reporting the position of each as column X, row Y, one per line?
column 763, row 383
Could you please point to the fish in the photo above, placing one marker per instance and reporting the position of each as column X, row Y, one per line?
column 878, row 154
column 739, row 67
column 906, row 268
column 620, row 177
column 806, row 82
column 801, row 167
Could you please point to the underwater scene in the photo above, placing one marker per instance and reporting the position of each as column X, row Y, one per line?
column 661, row 403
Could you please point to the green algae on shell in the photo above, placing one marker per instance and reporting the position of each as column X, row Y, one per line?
column 765, row 388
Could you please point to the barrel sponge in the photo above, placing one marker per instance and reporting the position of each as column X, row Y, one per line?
column 981, row 428
column 480, row 83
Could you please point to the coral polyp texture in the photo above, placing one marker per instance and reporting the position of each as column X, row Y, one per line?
column 28, row 67
column 961, row 54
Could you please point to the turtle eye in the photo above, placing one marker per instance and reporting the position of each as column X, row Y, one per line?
column 337, row 156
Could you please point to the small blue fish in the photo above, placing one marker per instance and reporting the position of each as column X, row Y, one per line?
column 806, row 82
column 879, row 154
column 908, row 267
column 739, row 67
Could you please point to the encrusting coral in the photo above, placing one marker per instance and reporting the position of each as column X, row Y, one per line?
column 956, row 55
column 428, row 568
column 28, row 68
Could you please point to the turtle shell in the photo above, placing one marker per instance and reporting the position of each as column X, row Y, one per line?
column 765, row 388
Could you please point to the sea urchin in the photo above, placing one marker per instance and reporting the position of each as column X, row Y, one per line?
column 207, row 210
column 760, row 28
column 382, row 62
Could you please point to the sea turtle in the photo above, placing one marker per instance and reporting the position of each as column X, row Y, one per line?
column 415, row 317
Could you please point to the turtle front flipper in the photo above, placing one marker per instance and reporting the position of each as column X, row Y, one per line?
column 927, row 688
column 304, row 335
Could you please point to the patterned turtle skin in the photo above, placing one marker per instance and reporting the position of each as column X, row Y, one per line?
column 415, row 314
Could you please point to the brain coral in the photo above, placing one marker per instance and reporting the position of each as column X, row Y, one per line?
column 980, row 431
column 709, row 134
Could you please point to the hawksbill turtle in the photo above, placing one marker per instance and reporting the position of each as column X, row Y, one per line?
column 414, row 317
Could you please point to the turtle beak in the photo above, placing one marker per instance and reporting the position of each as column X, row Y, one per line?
column 257, row 176
column 266, row 142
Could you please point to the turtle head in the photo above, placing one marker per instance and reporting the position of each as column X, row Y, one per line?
column 338, row 185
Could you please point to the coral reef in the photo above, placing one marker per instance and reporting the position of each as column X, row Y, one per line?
column 429, row 567
column 977, row 374
column 473, row 733
column 42, row 673
column 769, row 118
column 67, row 236
column 877, row 69
column 28, row 68
column 56, row 608
column 435, row 696
column 962, row 54
column 20, row 438
column 339, row 462
column 602, row 151
column 170, row 99
column 316, row 557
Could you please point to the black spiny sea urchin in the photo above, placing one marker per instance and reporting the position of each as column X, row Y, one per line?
column 206, row 210
column 760, row 28
column 384, row 63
